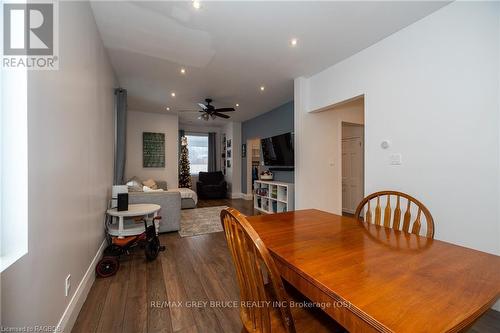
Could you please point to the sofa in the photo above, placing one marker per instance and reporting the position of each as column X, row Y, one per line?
column 211, row 185
column 170, row 202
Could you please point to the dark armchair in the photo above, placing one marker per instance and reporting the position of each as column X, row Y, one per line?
column 211, row 185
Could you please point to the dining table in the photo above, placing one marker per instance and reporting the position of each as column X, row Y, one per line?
column 375, row 279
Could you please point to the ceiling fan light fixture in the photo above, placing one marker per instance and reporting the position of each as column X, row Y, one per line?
column 208, row 111
column 237, row 104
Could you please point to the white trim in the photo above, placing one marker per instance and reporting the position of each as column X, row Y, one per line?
column 247, row 196
column 69, row 316
column 203, row 134
column 236, row 196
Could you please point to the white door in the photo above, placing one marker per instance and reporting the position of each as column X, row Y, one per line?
column 352, row 174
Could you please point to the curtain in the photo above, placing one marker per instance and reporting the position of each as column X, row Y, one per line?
column 212, row 155
column 120, row 135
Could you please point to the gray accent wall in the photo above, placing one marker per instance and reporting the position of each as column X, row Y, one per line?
column 275, row 122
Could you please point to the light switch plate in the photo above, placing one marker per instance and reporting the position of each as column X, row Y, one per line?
column 396, row 159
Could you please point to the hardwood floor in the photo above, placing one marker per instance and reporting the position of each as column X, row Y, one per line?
column 196, row 271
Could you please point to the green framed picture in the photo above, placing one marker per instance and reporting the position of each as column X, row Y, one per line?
column 153, row 150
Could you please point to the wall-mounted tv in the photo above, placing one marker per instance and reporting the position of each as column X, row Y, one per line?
column 278, row 150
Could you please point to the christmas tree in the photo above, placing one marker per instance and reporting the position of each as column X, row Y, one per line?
column 184, row 172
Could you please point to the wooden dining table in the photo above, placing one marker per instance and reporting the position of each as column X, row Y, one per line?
column 375, row 279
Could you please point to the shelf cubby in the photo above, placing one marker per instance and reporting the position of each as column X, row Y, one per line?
column 273, row 197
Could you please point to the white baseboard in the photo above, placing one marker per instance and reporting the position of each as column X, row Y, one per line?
column 243, row 196
column 75, row 304
column 247, row 196
column 235, row 195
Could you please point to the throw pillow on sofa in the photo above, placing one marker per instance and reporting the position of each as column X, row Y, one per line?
column 150, row 183
column 134, row 184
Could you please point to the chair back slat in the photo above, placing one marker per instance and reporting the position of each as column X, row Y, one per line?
column 407, row 217
column 378, row 212
column 392, row 217
column 397, row 214
column 416, row 224
column 253, row 264
column 368, row 214
column 387, row 213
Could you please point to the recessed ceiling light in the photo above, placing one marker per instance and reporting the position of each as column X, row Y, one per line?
column 183, row 71
column 172, row 94
column 262, row 88
column 196, row 4
column 293, row 42
column 237, row 104
column 168, row 109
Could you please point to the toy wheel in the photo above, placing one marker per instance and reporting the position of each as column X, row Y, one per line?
column 107, row 266
column 152, row 249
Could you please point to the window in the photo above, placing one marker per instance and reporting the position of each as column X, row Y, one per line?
column 13, row 165
column 198, row 152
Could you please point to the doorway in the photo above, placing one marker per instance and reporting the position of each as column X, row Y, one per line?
column 253, row 164
column 352, row 166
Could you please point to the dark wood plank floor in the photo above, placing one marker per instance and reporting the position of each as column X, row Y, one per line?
column 192, row 270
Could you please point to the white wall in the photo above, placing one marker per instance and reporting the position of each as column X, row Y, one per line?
column 233, row 174
column 70, row 172
column 322, row 137
column 432, row 90
column 139, row 122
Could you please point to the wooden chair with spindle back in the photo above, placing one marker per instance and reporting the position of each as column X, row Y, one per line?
column 254, row 267
column 365, row 206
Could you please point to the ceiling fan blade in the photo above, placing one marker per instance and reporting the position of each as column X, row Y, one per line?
column 224, row 110
column 203, row 106
column 222, row 115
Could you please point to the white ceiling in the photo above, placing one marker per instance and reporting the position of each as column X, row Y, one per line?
column 230, row 49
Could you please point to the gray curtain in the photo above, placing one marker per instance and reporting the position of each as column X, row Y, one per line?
column 120, row 135
column 212, row 155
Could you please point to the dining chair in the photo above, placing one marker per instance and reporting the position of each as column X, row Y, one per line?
column 392, row 216
column 265, row 304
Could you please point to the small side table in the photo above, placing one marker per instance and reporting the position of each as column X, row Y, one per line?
column 135, row 210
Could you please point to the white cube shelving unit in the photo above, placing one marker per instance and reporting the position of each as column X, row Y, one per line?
column 273, row 197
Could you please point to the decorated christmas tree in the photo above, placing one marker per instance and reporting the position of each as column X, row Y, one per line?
column 184, row 172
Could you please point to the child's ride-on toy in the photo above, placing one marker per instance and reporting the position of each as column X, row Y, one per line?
column 109, row 264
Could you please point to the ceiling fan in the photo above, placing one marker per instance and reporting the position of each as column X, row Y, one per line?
column 209, row 111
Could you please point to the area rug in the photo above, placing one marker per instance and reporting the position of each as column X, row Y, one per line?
column 200, row 221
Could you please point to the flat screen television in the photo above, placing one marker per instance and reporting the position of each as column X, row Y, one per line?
column 278, row 150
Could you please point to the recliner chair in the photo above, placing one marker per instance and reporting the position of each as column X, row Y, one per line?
column 211, row 185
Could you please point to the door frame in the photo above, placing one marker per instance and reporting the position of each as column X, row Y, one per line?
column 249, row 194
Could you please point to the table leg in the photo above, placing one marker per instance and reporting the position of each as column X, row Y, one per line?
column 156, row 222
column 120, row 226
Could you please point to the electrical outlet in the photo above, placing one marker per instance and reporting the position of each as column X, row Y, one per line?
column 67, row 285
